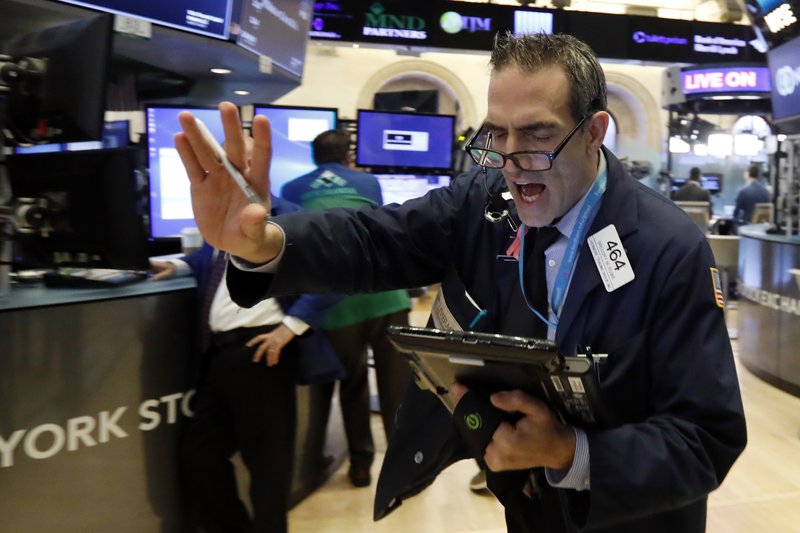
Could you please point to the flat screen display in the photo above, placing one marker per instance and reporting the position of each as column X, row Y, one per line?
column 397, row 188
column 784, row 66
column 416, row 141
column 206, row 17
column 711, row 182
column 116, row 134
column 170, row 200
column 277, row 29
column 293, row 129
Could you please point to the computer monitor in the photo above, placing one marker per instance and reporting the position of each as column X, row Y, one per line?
column 711, row 181
column 206, row 17
column 397, row 188
column 293, row 129
column 80, row 209
column 418, row 143
column 116, row 134
column 170, row 199
column 58, row 90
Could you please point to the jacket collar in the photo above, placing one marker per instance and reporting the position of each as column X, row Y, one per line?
column 619, row 207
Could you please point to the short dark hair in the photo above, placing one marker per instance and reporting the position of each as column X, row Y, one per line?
column 534, row 51
column 330, row 146
column 694, row 174
column 754, row 171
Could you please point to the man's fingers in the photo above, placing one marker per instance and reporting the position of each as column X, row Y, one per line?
column 203, row 152
column 234, row 137
column 261, row 155
column 516, row 401
column 194, row 169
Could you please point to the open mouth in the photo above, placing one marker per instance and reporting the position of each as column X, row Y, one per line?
column 530, row 192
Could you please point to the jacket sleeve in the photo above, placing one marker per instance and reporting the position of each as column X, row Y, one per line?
column 683, row 424
column 312, row 308
column 370, row 249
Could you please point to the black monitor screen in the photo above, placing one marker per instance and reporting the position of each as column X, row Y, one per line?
column 784, row 66
column 57, row 93
column 397, row 188
column 711, row 182
column 78, row 209
column 293, row 129
column 170, row 200
column 207, row 17
column 413, row 141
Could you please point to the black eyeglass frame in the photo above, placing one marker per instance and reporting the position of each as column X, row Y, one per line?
column 551, row 155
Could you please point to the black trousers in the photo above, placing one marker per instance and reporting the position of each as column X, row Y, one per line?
column 250, row 408
column 392, row 374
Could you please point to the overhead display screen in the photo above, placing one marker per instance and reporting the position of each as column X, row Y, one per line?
column 472, row 26
column 784, row 65
column 207, row 17
column 277, row 29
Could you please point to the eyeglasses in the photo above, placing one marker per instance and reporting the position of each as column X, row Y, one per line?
column 535, row 160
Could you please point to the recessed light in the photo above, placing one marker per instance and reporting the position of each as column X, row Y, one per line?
column 221, row 70
column 241, row 92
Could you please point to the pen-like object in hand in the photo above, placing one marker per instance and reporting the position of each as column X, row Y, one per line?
column 232, row 170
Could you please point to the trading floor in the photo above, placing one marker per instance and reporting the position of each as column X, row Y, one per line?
column 760, row 494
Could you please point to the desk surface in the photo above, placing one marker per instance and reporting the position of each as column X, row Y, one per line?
column 25, row 296
column 759, row 231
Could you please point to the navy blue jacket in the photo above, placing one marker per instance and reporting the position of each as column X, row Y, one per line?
column 317, row 361
column 669, row 380
column 746, row 200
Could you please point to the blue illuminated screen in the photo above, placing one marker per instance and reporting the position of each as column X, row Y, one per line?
column 405, row 140
column 170, row 200
column 293, row 129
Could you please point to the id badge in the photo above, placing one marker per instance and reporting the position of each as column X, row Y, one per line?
column 610, row 257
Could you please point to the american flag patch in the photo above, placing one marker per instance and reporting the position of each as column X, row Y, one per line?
column 717, row 288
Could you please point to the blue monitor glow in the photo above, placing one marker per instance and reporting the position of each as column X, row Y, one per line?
column 409, row 142
column 712, row 182
column 293, row 129
column 170, row 199
column 397, row 188
column 206, row 17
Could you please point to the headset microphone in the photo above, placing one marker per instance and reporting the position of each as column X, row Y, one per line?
column 496, row 209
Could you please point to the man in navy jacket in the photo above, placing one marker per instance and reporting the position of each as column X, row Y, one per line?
column 640, row 286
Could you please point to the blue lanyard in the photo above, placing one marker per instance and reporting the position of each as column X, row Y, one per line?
column 568, row 262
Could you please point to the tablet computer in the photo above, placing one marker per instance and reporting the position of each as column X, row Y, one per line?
column 487, row 363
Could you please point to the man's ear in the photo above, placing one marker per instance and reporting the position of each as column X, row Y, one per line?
column 598, row 125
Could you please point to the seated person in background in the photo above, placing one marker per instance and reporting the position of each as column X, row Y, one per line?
column 245, row 398
column 753, row 192
column 691, row 191
column 358, row 322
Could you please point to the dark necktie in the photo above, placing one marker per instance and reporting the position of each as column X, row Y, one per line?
column 214, row 279
column 536, row 275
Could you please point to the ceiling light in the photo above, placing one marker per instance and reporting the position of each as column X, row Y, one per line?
column 241, row 92
column 221, row 70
